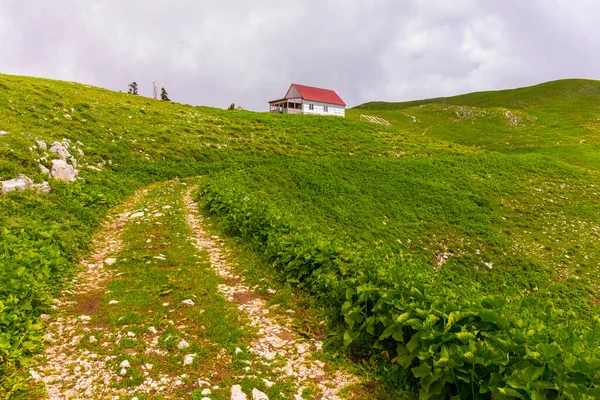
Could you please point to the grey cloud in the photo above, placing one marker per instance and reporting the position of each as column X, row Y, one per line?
column 215, row 53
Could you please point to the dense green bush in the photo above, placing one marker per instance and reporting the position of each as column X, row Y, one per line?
column 510, row 346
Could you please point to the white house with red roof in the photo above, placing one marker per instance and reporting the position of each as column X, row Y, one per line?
column 301, row 99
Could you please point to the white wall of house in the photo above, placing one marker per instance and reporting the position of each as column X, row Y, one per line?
column 319, row 108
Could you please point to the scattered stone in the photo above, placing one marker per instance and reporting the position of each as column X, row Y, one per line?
column 63, row 171
column 93, row 339
column 34, row 375
column 258, row 395
column 44, row 170
column 159, row 214
column 166, row 207
column 238, row 350
column 153, row 330
column 2, row 133
column 21, row 183
column 137, row 214
column 205, row 392
column 189, row 302
column 131, row 334
column 268, row 383
column 183, row 345
column 41, row 144
column 68, row 117
column 125, row 364
column 43, row 187
column 110, row 261
column 489, row 264
column 237, row 394
column 60, row 149
column 123, row 372
column 148, row 366
column 113, row 302
column 189, row 359
column 85, row 317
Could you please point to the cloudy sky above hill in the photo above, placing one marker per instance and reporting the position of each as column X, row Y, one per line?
column 248, row 52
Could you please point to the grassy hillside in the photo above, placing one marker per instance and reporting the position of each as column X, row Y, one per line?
column 560, row 119
column 469, row 235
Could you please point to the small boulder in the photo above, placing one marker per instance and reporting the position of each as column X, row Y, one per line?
column 183, row 344
column 14, row 184
column 237, row 394
column 189, row 359
column 258, row 395
column 63, row 171
column 2, row 133
column 41, row 144
column 60, row 149
column 44, row 170
column 43, row 187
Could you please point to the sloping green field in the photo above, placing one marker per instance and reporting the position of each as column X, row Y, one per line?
column 455, row 251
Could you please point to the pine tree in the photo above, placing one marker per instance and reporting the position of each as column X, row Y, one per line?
column 232, row 106
column 133, row 89
column 164, row 95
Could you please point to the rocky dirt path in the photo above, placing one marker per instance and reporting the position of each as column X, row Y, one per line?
column 158, row 312
column 276, row 340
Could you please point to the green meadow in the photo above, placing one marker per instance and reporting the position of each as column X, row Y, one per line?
column 454, row 254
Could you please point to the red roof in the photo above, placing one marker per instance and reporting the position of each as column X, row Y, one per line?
column 317, row 94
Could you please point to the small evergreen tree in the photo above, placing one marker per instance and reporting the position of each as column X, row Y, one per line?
column 164, row 96
column 133, row 89
column 232, row 106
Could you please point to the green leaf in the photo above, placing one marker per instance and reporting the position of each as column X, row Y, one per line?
column 422, row 371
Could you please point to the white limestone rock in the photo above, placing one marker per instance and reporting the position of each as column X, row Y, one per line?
column 44, row 170
column 237, row 394
column 258, row 395
column 41, row 144
column 183, row 345
column 60, row 149
column 2, row 133
column 125, row 364
column 20, row 183
column 43, row 187
column 63, row 171
column 189, row 359
column 188, row 302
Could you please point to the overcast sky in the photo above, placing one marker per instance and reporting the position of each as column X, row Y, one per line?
column 215, row 52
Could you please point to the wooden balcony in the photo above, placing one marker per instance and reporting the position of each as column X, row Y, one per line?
column 285, row 106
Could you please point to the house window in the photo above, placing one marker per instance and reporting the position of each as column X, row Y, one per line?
column 325, row 108
column 311, row 106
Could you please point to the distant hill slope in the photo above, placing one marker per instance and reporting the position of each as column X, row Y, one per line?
column 560, row 119
column 548, row 94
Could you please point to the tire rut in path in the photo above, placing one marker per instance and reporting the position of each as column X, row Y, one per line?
column 62, row 373
column 275, row 336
